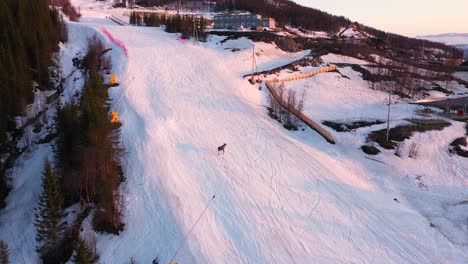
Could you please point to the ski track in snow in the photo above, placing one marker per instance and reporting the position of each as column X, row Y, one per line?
column 280, row 197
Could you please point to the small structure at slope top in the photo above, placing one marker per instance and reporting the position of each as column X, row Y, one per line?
column 237, row 20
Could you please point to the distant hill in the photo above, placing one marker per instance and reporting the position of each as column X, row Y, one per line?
column 449, row 38
column 459, row 40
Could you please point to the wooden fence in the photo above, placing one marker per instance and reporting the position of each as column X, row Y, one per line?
column 311, row 123
column 307, row 120
column 306, row 75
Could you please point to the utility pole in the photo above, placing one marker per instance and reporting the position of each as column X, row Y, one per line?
column 388, row 40
column 388, row 116
column 254, row 64
column 195, row 32
column 423, row 47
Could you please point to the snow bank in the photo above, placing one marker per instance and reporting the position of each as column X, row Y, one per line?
column 335, row 58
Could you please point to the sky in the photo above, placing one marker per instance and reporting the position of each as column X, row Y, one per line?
column 407, row 17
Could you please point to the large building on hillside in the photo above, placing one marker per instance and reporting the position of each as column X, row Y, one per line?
column 245, row 20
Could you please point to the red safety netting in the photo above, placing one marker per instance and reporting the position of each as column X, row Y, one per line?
column 116, row 41
column 182, row 40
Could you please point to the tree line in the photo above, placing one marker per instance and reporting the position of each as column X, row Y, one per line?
column 87, row 169
column 67, row 8
column 87, row 151
column 30, row 35
column 187, row 25
column 287, row 12
column 91, row 173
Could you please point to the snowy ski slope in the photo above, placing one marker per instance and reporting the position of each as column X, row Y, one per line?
column 278, row 201
column 281, row 197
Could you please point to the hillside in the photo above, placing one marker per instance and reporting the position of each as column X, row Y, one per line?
column 281, row 196
column 449, row 39
column 289, row 13
column 458, row 40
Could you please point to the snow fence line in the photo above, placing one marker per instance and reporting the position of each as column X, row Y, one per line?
column 311, row 123
column 306, row 75
column 116, row 41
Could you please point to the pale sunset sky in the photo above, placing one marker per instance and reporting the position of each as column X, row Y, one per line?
column 406, row 17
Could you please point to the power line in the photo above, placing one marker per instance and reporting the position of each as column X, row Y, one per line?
column 193, row 227
column 388, row 116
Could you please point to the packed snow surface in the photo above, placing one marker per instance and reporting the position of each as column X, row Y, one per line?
column 281, row 197
column 278, row 199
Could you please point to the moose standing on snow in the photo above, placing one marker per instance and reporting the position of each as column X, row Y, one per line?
column 221, row 148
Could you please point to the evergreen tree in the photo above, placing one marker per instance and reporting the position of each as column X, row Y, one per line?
column 133, row 18
column 84, row 255
column 30, row 33
column 49, row 213
column 99, row 160
column 201, row 25
column 4, row 253
column 68, row 151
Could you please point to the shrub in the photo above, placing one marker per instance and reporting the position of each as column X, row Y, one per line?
column 370, row 150
column 345, row 127
column 457, row 146
column 402, row 133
